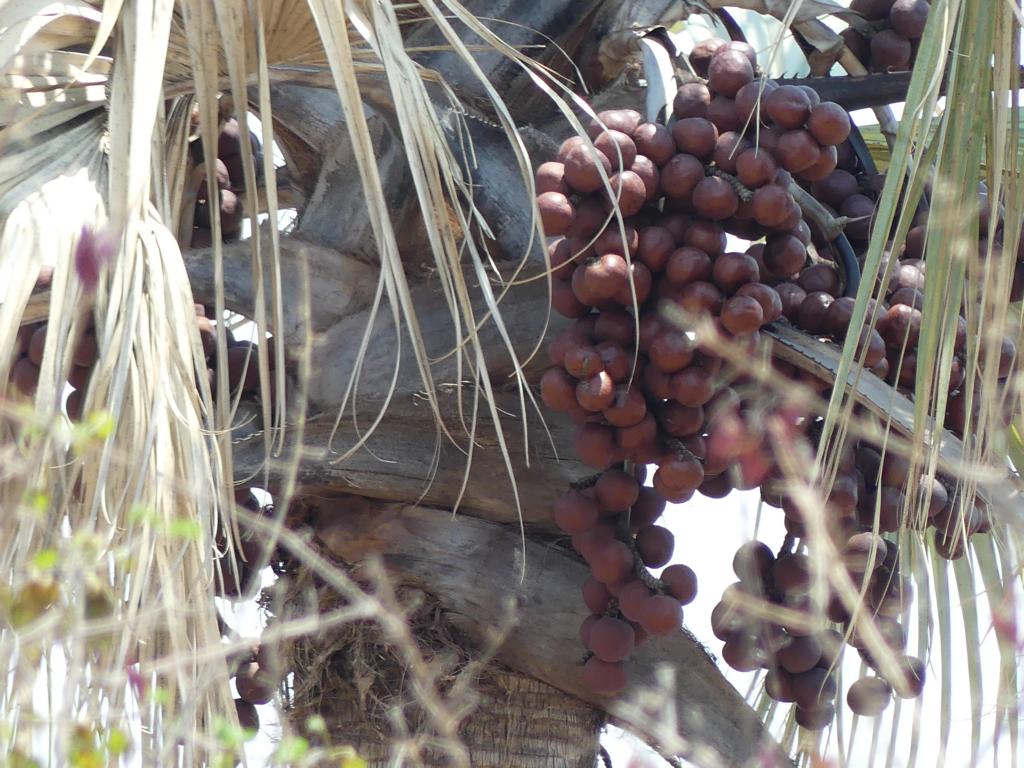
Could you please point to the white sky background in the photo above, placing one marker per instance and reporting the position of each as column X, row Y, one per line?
column 707, row 533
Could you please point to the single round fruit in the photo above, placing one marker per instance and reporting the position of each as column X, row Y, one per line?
column 616, row 490
column 703, row 52
column 715, row 199
column 755, row 167
column 556, row 212
column 558, row 390
column 611, row 561
column 829, row 123
column 604, row 677
column 890, row 51
column 617, row 147
column 680, row 175
column 550, row 177
column 869, row 696
column 655, row 141
column 661, row 615
column 729, row 71
column 611, row 639
column 691, row 100
column 576, row 513
column 583, row 166
column 788, row 106
column 696, row 136
column 797, row 150
column 742, row 315
column 596, row 392
column 908, row 17
column 681, row 582
column 655, row 545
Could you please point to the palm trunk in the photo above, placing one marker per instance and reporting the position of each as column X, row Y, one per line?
column 519, row 721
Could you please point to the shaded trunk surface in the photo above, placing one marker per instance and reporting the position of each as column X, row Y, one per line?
column 517, row 721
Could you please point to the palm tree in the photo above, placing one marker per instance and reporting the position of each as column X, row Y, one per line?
column 428, row 606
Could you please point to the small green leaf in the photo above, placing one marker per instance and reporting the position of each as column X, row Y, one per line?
column 100, row 424
column 141, row 513
column 37, row 501
column 316, row 724
column 160, row 696
column 118, row 741
column 183, row 528
column 291, row 749
column 46, row 560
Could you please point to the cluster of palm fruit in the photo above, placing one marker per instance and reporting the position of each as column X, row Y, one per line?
column 800, row 656
column 28, row 354
column 886, row 39
column 642, row 387
column 611, row 522
column 229, row 180
column 257, row 672
column 640, row 371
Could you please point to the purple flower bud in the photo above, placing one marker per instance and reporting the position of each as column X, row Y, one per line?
column 94, row 249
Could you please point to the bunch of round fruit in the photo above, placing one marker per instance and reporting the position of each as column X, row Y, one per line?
column 887, row 39
column 612, row 526
column 24, row 374
column 257, row 672
column 229, row 181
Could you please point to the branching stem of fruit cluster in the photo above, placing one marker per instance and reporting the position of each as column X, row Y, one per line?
column 651, row 582
column 742, row 191
column 788, row 544
column 584, row 483
column 681, row 450
column 830, row 226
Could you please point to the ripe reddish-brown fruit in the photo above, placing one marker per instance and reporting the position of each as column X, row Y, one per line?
column 628, row 407
column 610, row 639
column 680, row 473
column 623, row 120
column 616, row 490
column 755, row 167
column 908, row 17
column 728, row 71
column 605, row 276
column 731, row 270
column 715, row 199
column 628, row 192
column 770, row 205
column 693, row 386
column 687, row 265
column 550, row 177
column 681, row 582
column 695, row 136
column 617, row 147
column 611, row 561
column 661, row 615
column 691, row 100
column 829, row 123
column 680, row 175
column 797, row 150
column 556, row 212
column 575, row 513
column 742, row 315
column 558, row 390
column 603, row 677
column 890, row 51
column 583, row 166
column 595, row 393
column 654, row 140
column 655, row 545
column 595, row 445
column 649, row 174
column 788, row 106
